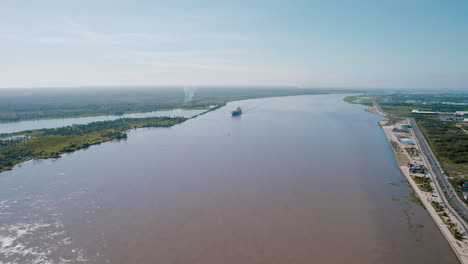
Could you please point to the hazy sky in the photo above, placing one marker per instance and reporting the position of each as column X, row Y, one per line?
column 361, row 43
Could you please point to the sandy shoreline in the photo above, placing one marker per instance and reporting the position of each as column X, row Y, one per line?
column 459, row 247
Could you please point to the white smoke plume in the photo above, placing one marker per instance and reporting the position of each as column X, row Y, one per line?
column 189, row 93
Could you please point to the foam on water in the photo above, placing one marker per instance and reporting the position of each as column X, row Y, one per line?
column 31, row 231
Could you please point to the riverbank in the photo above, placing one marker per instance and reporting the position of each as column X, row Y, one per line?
column 52, row 142
column 105, row 114
column 212, row 184
column 39, row 104
column 429, row 197
column 19, row 147
column 415, row 167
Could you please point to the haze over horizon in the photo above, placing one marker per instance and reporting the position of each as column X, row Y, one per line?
column 343, row 44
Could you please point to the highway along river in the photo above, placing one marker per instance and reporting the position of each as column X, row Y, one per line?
column 304, row 179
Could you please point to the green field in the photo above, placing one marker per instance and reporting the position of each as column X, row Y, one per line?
column 359, row 99
column 401, row 157
column 403, row 109
column 448, row 142
column 423, row 183
column 397, row 110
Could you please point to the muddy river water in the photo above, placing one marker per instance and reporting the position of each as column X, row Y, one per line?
column 302, row 179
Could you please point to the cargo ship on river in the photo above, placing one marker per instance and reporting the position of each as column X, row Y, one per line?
column 237, row 112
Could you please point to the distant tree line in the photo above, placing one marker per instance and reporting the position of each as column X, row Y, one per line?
column 22, row 104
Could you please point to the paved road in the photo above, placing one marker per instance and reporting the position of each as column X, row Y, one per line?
column 448, row 195
column 446, row 191
column 377, row 106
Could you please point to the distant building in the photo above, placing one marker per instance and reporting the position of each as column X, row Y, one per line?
column 452, row 103
column 461, row 112
column 451, row 118
column 415, row 111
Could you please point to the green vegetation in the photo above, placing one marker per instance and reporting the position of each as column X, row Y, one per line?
column 413, row 152
column 456, row 183
column 403, row 109
column 426, row 187
column 421, row 179
column 395, row 146
column 23, row 104
column 428, row 98
column 211, row 109
column 401, row 157
column 446, row 220
column 359, row 99
column 390, row 121
column 437, row 206
column 458, row 236
column 402, row 104
column 448, row 142
column 424, row 183
column 452, row 227
column 50, row 143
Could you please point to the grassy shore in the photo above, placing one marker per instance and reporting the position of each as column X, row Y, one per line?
column 401, row 157
column 50, row 143
column 359, row 99
column 118, row 113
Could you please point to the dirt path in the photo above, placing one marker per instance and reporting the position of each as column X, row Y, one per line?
column 466, row 131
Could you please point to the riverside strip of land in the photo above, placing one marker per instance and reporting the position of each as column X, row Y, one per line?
column 427, row 189
column 47, row 143
column 50, row 143
column 31, row 104
column 26, row 104
column 423, row 173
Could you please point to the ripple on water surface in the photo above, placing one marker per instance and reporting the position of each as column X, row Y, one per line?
column 301, row 179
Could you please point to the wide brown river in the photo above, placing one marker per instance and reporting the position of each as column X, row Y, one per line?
column 303, row 179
